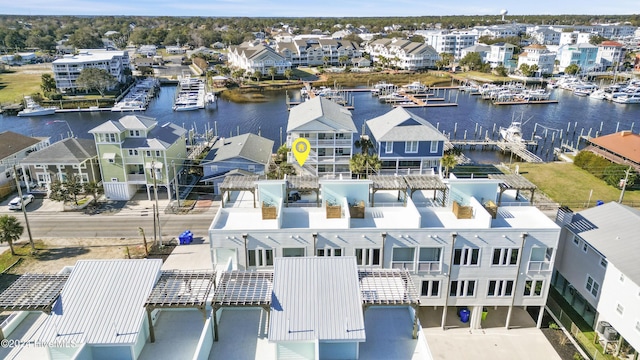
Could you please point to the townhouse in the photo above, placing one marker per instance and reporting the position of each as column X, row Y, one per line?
column 315, row 51
column 538, row 55
column 67, row 69
column 14, row 148
column 403, row 54
column 584, row 55
column 254, row 56
column 450, row 42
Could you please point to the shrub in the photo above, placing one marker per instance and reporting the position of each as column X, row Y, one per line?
column 554, row 326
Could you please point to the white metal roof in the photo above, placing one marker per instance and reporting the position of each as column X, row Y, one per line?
column 102, row 302
column 320, row 115
column 316, row 298
column 402, row 125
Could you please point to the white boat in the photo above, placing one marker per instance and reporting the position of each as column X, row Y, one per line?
column 513, row 133
column 414, row 87
column 210, row 99
column 32, row 108
column 598, row 94
column 628, row 99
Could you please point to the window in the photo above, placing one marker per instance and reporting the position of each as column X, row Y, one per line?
column 368, row 257
column 585, row 247
column 576, row 240
column 292, row 252
column 38, row 166
column 112, row 160
column 533, row 287
column 500, row 288
column 505, row 256
column 402, row 258
column 540, row 259
column 620, row 309
column 251, row 168
column 603, row 262
column 430, row 288
column 388, row 147
column 114, row 179
column 260, row 257
column 329, row 252
column 592, row 286
column 158, row 153
column 466, row 256
column 429, row 259
column 148, row 153
column 462, row 288
column 133, row 152
column 135, row 133
column 411, row 147
column 434, row 147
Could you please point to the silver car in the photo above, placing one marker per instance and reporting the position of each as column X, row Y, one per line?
column 14, row 204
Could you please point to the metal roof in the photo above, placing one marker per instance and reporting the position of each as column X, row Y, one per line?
column 244, row 288
column 402, row 125
column 70, row 150
column 612, row 229
column 320, row 115
column 248, row 146
column 102, row 302
column 33, row 292
column 316, row 298
column 387, row 287
column 179, row 289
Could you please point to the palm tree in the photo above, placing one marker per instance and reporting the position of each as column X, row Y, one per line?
column 288, row 73
column 10, row 230
column 449, row 161
column 273, row 71
column 364, row 144
column 364, row 163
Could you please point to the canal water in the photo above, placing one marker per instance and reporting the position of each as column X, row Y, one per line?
column 569, row 118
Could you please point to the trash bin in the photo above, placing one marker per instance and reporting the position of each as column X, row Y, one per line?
column 599, row 202
column 186, row 237
column 485, row 311
column 464, row 315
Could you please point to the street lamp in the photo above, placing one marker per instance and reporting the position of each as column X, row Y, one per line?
column 69, row 127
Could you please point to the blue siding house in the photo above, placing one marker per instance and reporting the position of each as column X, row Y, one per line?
column 242, row 154
column 406, row 143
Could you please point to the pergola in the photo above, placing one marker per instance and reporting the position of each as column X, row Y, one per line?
column 513, row 182
column 32, row 292
column 426, row 182
column 241, row 288
column 389, row 287
column 388, row 182
column 303, row 183
column 239, row 183
column 177, row 289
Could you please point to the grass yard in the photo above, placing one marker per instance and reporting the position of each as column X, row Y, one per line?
column 569, row 185
column 23, row 251
column 21, row 81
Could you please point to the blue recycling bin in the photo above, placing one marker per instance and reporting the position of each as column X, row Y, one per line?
column 186, row 237
column 464, row 315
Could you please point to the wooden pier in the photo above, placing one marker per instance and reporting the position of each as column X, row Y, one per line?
column 518, row 149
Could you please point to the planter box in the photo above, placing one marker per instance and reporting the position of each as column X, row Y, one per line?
column 491, row 208
column 334, row 212
column 268, row 212
column 357, row 211
column 462, row 212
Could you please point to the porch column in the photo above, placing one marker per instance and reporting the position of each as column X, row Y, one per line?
column 152, row 334
column 540, row 315
column 506, row 325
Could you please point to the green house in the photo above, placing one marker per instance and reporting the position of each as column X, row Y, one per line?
column 135, row 152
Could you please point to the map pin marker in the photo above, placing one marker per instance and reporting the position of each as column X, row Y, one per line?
column 301, row 148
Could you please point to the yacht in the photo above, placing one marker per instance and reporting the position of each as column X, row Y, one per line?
column 32, row 108
column 628, row 99
column 513, row 133
column 598, row 94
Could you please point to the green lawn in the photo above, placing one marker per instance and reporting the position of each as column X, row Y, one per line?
column 569, row 185
column 14, row 85
column 22, row 251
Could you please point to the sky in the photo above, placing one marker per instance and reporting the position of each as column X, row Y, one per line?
column 327, row 8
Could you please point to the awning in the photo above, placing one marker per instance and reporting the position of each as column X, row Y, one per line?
column 109, row 156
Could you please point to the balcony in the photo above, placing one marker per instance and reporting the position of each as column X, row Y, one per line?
column 137, row 178
column 429, row 266
column 407, row 265
column 539, row 266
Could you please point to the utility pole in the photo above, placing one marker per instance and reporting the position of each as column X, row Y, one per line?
column 175, row 182
column 624, row 184
column 24, row 211
column 155, row 194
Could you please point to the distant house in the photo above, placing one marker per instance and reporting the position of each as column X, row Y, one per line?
column 70, row 156
column 67, row 69
column 329, row 128
column 583, row 55
column 622, row 148
column 248, row 152
column 540, row 56
column 597, row 272
column 175, row 50
column 610, row 54
column 253, row 57
column 404, row 54
column 135, row 152
column 406, row 143
column 14, row 148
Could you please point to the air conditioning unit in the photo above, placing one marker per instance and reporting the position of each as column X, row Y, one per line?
column 610, row 334
column 572, row 290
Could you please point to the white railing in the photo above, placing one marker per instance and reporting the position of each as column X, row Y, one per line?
column 538, row 266
column 136, row 177
column 429, row 266
column 408, row 265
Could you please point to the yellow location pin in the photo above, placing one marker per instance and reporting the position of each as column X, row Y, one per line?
column 301, row 148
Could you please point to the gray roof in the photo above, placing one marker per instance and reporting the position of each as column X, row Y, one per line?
column 322, row 115
column 160, row 137
column 102, row 302
column 67, row 151
column 12, row 143
column 127, row 122
column 316, row 298
column 612, row 229
column 402, row 125
column 248, row 146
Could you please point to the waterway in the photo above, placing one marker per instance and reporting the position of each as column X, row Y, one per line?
column 569, row 118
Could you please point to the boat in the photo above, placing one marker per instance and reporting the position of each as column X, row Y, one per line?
column 210, row 99
column 414, row 88
column 598, row 94
column 513, row 133
column 382, row 88
column 190, row 94
column 32, row 108
column 628, row 99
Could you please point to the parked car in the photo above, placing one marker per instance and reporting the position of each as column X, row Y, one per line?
column 15, row 204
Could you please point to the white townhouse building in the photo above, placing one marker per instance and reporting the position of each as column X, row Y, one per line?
column 462, row 246
column 67, row 69
column 255, row 56
column 498, row 31
column 574, row 37
column 544, row 35
column 538, row 55
column 584, row 55
column 597, row 272
column 329, row 128
column 610, row 54
column 404, row 54
column 450, row 42
column 315, row 51
column 495, row 54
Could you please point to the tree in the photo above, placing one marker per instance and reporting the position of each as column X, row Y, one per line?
column 526, row 70
column 288, row 74
column 10, row 230
column 471, row 61
column 500, row 70
column 74, row 186
column 85, row 38
column 363, row 164
column 95, row 79
column 48, row 83
column 572, row 69
column 364, row 144
column 258, row 75
column 273, row 72
column 343, row 60
column 448, row 161
column 58, row 192
column 238, row 74
column 93, row 188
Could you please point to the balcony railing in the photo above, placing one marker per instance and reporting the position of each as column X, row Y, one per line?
column 539, row 266
column 137, row 177
column 408, row 265
column 429, row 266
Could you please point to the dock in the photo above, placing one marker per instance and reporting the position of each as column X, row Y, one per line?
column 525, row 102
column 518, row 149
